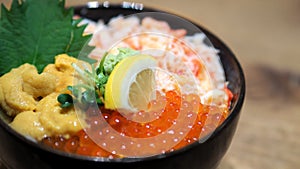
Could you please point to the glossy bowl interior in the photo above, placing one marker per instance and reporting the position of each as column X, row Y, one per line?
column 17, row 152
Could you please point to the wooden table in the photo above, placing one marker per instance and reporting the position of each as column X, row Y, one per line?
column 265, row 36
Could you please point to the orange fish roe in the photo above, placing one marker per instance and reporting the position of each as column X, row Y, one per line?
column 165, row 110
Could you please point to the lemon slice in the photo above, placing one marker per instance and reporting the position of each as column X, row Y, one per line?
column 131, row 85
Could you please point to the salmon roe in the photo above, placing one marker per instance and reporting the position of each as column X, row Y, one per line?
column 165, row 110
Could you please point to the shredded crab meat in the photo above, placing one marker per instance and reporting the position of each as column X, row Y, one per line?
column 193, row 66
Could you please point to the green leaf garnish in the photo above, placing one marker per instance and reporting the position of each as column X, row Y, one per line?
column 93, row 89
column 35, row 31
column 65, row 100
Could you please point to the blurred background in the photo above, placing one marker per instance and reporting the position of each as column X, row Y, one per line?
column 265, row 37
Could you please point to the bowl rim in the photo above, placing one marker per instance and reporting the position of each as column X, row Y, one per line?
column 235, row 109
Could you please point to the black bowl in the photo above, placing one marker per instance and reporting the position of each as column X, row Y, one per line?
column 17, row 152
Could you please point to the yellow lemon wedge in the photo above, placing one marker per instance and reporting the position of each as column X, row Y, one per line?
column 131, row 85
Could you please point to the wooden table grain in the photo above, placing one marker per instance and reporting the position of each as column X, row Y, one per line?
column 265, row 36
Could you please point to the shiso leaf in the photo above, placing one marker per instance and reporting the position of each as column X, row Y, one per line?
column 35, row 31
